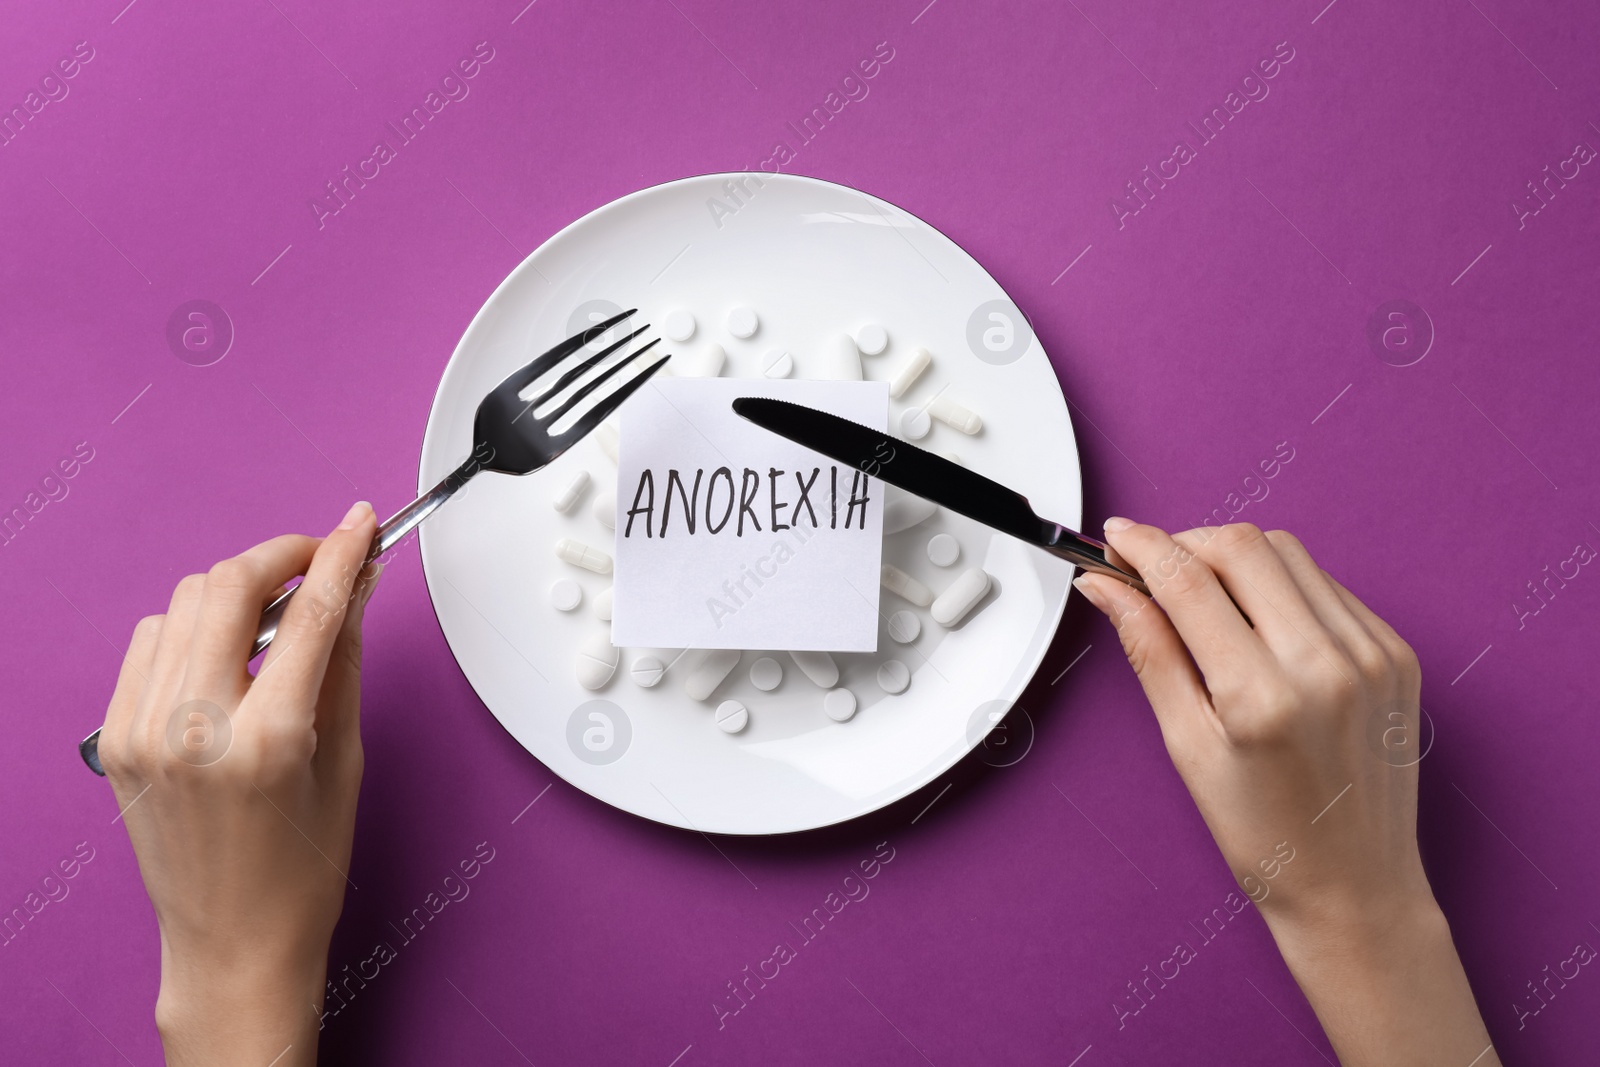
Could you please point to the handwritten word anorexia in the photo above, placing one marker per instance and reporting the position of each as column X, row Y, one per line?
column 756, row 496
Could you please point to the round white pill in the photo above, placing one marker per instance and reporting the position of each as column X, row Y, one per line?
column 605, row 510
column 904, row 626
column 872, row 339
column 742, row 322
column 647, row 671
column 713, row 666
column 678, row 324
column 777, row 363
column 943, row 550
column 840, row 704
column 893, row 676
column 569, row 496
column 915, row 424
column 818, row 666
column 597, row 662
column 962, row 596
column 566, row 594
column 732, row 716
column 766, row 674
column 602, row 605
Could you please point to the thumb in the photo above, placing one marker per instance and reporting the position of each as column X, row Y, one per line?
column 1157, row 654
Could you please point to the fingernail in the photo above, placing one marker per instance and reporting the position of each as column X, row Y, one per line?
column 1091, row 593
column 1116, row 524
column 353, row 518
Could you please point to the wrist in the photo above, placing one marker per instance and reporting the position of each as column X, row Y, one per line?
column 240, row 1008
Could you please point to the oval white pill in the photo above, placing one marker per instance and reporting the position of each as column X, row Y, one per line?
column 818, row 666
column 962, row 596
column 569, row 496
column 602, row 605
column 839, row 704
column 596, row 663
column 605, row 510
column 943, row 550
column 909, row 371
column 678, row 324
column 732, row 716
column 742, row 322
column 902, row 584
column 707, row 363
column 647, row 671
column 904, row 626
column 893, row 676
column 872, row 339
column 954, row 457
column 954, row 415
column 901, row 511
column 915, row 424
column 566, row 594
column 609, row 439
column 766, row 674
column 581, row 555
column 777, row 363
column 840, row 360
column 713, row 666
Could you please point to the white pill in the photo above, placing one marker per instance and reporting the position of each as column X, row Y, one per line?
column 915, row 424
column 742, row 322
column 954, row 415
column 569, row 496
column 840, row 360
column 909, row 371
column 777, row 363
column 839, row 704
column 605, row 510
column 766, row 674
column 566, row 594
column 954, row 457
column 893, row 676
column 818, row 666
column 597, row 662
column 903, row 511
column 647, row 671
column 704, row 677
column 707, row 363
column 898, row 581
column 732, row 716
column 610, row 439
column 962, row 596
column 581, row 555
column 943, row 550
column 678, row 324
column 602, row 605
column 872, row 339
column 904, row 627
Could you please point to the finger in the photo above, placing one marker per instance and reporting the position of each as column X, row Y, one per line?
column 158, row 699
column 1385, row 634
column 1319, row 593
column 1254, row 575
column 236, row 590
column 1157, row 654
column 293, row 669
column 1225, row 648
column 132, row 678
column 339, row 703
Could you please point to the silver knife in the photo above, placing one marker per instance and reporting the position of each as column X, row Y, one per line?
column 935, row 478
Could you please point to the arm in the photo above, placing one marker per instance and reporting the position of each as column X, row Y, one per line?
column 1286, row 704
column 239, row 792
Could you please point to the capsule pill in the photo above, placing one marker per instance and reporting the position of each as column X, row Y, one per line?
column 732, row 716
column 962, row 596
column 954, row 415
column 596, row 663
column 902, row 584
column 581, row 555
column 818, row 666
column 909, row 371
column 714, row 665
column 569, row 496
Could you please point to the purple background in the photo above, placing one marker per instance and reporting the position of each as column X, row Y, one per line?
column 1225, row 317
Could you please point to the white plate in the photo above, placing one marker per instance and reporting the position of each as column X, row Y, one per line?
column 812, row 258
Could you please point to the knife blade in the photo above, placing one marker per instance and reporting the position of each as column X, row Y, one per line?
column 920, row 472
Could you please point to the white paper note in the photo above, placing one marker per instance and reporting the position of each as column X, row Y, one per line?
column 729, row 536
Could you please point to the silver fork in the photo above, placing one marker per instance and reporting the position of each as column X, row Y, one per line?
column 508, row 437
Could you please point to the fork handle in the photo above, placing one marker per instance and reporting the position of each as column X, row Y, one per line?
column 390, row 533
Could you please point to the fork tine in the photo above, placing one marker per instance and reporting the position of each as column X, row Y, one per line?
column 598, row 380
column 592, row 418
column 520, row 379
column 577, row 372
